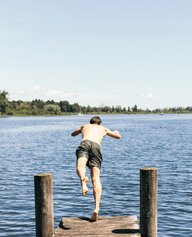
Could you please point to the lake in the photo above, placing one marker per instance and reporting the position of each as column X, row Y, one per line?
column 32, row 145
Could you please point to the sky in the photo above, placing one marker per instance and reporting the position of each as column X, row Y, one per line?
column 98, row 53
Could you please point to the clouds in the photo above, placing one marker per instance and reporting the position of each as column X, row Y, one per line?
column 147, row 96
column 122, row 54
column 40, row 92
column 45, row 93
column 88, row 97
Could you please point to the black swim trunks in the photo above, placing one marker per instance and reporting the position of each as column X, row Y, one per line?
column 90, row 150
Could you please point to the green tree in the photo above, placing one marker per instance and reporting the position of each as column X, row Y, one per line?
column 25, row 105
column 75, row 108
column 134, row 109
column 64, row 106
column 118, row 109
column 189, row 108
column 13, row 105
column 39, row 104
column 52, row 109
column 4, row 103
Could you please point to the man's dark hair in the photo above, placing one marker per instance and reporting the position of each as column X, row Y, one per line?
column 95, row 120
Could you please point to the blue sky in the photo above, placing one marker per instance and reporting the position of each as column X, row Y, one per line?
column 96, row 53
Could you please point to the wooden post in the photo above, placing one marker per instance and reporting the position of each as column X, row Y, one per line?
column 148, row 202
column 44, row 205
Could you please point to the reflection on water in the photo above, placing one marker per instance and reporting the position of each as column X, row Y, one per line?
column 34, row 145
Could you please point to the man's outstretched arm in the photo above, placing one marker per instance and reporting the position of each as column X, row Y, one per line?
column 114, row 134
column 76, row 132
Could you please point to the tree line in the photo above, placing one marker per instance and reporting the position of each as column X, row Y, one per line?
column 50, row 107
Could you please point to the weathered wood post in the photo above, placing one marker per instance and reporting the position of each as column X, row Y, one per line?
column 44, row 205
column 148, row 202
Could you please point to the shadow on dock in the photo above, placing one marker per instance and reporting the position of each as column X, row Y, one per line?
column 105, row 226
column 126, row 231
column 62, row 225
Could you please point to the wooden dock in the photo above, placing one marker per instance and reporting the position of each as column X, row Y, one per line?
column 120, row 226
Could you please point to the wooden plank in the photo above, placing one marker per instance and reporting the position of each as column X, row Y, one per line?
column 120, row 226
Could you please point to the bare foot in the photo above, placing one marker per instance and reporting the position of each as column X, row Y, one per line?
column 95, row 216
column 84, row 186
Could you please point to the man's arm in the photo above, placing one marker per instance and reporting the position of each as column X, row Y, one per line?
column 114, row 134
column 76, row 132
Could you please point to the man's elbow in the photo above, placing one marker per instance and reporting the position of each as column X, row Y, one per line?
column 75, row 133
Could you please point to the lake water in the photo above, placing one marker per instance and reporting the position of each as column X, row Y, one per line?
column 31, row 145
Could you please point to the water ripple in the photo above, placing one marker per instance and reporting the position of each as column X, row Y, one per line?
column 34, row 145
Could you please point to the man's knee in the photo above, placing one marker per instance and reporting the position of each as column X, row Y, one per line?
column 95, row 175
column 96, row 180
column 80, row 167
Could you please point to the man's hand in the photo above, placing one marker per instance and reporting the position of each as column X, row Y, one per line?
column 114, row 134
column 76, row 132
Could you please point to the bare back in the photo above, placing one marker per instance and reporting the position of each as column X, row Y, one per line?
column 93, row 132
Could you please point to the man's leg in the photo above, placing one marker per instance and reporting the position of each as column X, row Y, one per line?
column 97, row 190
column 81, row 172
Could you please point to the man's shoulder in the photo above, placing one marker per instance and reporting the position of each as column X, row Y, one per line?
column 85, row 125
column 93, row 126
column 104, row 128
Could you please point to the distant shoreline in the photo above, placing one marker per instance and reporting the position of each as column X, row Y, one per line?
column 75, row 114
column 39, row 107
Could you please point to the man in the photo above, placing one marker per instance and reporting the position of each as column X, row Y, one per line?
column 88, row 154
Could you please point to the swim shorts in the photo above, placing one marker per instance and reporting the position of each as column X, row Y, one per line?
column 90, row 150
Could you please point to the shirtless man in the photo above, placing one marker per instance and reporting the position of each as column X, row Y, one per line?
column 88, row 154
